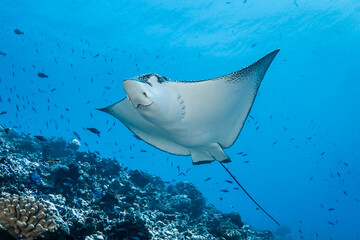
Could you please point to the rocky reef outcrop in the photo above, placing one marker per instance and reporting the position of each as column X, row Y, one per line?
column 50, row 190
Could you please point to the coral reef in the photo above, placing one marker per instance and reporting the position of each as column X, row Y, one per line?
column 88, row 197
column 24, row 217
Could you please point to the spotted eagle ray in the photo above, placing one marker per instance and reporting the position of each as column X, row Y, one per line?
column 197, row 118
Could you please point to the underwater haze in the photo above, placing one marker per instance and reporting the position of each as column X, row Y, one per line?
column 298, row 153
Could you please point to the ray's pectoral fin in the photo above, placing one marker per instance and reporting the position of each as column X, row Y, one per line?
column 208, row 154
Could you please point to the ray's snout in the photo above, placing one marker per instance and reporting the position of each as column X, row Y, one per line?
column 136, row 93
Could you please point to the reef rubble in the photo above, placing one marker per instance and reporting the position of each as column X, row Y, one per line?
column 50, row 190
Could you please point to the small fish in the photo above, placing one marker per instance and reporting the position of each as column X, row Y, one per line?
column 52, row 90
column 40, row 138
column 53, row 160
column 142, row 150
column 224, row 190
column 77, row 135
column 94, row 130
column 246, row 161
column 2, row 53
column 18, row 32
column 207, row 179
column 42, row 75
column 221, row 199
column 331, row 223
column 311, row 178
column 322, row 154
column 135, row 136
column 228, row 181
column 181, row 173
column 97, row 55
column 3, row 112
column 331, row 209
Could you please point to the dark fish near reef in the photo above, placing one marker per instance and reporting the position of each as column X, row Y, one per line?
column 4, row 129
column 18, row 32
column 53, row 160
column 94, row 130
column 224, row 190
column 77, row 135
column 228, row 181
column 42, row 75
column 40, row 138
column 3, row 112
column 207, row 179
column 2, row 53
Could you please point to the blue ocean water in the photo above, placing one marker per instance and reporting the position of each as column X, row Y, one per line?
column 302, row 142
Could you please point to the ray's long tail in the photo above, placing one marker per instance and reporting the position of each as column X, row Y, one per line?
column 248, row 194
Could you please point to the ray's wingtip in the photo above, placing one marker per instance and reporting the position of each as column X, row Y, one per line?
column 275, row 52
column 267, row 59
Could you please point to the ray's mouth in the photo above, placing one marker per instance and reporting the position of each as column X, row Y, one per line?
column 143, row 106
column 139, row 105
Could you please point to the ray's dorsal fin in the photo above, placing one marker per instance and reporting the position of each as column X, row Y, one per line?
column 249, row 194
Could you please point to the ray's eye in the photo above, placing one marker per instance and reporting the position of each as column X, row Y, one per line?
column 144, row 93
column 160, row 80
